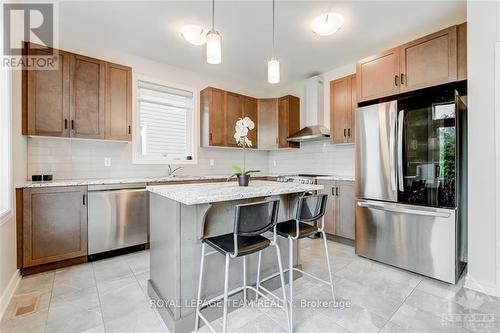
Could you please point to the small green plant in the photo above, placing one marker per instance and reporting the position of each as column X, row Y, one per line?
column 243, row 126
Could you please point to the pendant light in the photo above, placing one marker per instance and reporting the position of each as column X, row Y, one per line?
column 214, row 53
column 273, row 65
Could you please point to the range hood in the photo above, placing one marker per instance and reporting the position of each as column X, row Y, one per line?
column 313, row 131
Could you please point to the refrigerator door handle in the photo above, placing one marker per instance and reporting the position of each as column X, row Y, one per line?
column 390, row 208
column 392, row 149
column 401, row 115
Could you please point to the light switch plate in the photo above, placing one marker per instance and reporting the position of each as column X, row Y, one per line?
column 107, row 161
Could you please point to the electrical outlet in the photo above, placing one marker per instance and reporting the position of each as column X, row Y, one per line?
column 212, row 162
column 274, row 163
column 324, row 148
column 107, row 161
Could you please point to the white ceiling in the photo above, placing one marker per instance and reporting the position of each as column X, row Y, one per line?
column 150, row 29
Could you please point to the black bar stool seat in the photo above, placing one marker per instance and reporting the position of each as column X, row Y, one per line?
column 246, row 244
column 289, row 228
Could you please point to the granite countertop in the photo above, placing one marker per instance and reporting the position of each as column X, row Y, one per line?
column 112, row 181
column 193, row 194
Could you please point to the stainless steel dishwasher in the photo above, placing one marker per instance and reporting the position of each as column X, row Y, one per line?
column 117, row 216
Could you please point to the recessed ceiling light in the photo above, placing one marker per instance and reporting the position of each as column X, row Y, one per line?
column 194, row 34
column 327, row 24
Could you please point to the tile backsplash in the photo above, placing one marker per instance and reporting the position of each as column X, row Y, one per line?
column 75, row 159
column 318, row 157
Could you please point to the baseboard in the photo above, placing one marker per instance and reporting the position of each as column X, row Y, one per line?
column 8, row 292
column 481, row 286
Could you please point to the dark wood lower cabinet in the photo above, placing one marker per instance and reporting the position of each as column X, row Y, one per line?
column 54, row 225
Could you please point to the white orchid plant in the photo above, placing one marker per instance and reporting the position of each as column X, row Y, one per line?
column 243, row 126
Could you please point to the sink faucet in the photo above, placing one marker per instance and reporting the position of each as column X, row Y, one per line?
column 172, row 171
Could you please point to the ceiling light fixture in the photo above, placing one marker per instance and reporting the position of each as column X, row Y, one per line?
column 273, row 65
column 214, row 40
column 327, row 24
column 194, row 34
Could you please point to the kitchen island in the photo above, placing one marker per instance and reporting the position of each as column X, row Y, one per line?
column 180, row 216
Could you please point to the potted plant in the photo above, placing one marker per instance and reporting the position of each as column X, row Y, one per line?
column 241, row 136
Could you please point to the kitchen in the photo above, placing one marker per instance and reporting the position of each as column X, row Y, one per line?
column 120, row 161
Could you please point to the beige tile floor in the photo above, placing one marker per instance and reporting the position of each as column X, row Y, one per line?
column 110, row 296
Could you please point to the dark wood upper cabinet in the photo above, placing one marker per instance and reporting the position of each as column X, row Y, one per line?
column 288, row 120
column 213, row 123
column 267, row 110
column 432, row 60
column 46, row 102
column 53, row 231
column 233, row 111
column 429, row 61
column 378, row 75
column 118, row 115
column 87, row 97
column 83, row 98
column 250, row 110
column 343, row 104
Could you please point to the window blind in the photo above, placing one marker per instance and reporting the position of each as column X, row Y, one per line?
column 165, row 120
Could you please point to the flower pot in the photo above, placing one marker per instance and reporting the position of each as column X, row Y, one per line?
column 243, row 180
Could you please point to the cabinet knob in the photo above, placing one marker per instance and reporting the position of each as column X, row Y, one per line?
column 396, row 80
column 336, row 191
column 72, row 124
column 402, row 78
column 349, row 132
column 65, row 123
column 129, row 129
column 345, row 132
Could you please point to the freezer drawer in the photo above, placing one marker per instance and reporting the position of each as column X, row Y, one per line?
column 419, row 239
column 117, row 218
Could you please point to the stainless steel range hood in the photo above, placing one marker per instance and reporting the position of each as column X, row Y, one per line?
column 313, row 131
column 310, row 133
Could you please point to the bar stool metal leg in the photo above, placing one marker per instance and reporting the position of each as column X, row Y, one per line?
column 257, row 286
column 282, row 279
column 290, row 278
column 226, row 283
column 328, row 264
column 245, row 280
column 198, row 299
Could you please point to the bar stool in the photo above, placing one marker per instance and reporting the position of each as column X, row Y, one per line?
column 250, row 222
column 310, row 208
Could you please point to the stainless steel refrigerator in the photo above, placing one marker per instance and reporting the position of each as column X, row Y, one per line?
column 411, row 183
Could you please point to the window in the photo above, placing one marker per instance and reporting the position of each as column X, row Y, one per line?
column 165, row 124
column 5, row 140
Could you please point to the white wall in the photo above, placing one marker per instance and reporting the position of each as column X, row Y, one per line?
column 483, row 31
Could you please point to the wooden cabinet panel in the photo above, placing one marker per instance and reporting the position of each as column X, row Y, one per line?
column 54, row 224
column 87, row 97
column 329, row 217
column 429, row 61
column 118, row 115
column 213, row 109
column 249, row 105
column 462, row 51
column 288, row 120
column 267, row 109
column 233, row 112
column 344, row 221
column 343, row 103
column 378, row 76
column 46, row 103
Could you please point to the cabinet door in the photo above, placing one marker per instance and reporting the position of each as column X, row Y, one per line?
column 378, row 76
column 352, row 110
column 288, row 120
column 250, row 110
column 344, row 223
column 267, row 117
column 329, row 217
column 46, row 101
column 340, row 106
column 233, row 112
column 87, row 97
column 54, row 224
column 217, row 132
column 430, row 60
column 118, row 112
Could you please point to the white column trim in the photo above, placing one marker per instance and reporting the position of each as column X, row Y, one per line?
column 9, row 292
column 497, row 163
